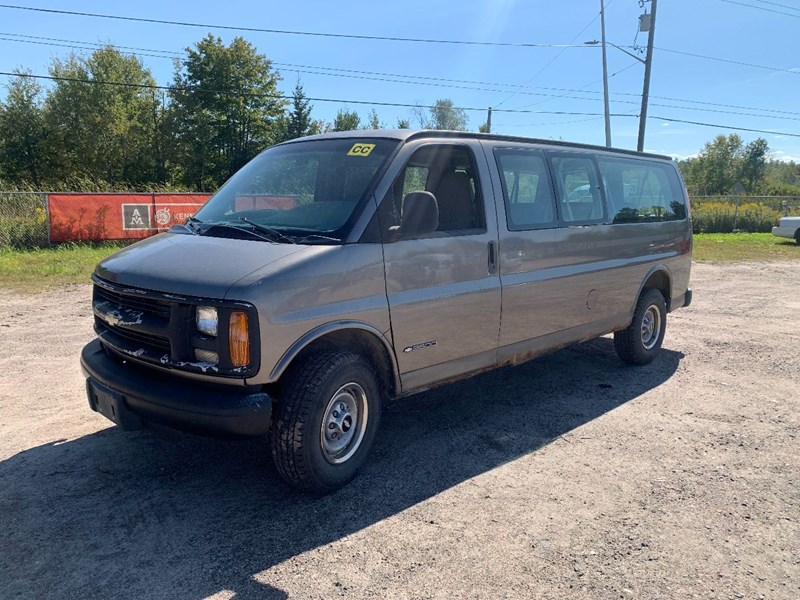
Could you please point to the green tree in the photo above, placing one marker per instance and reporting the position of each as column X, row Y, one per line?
column 299, row 122
column 403, row 124
column 23, row 147
column 373, row 122
column 723, row 162
column 442, row 115
column 483, row 127
column 782, row 177
column 226, row 108
column 319, row 126
column 754, row 164
column 346, row 120
column 102, row 130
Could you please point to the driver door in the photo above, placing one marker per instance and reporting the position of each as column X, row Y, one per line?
column 443, row 288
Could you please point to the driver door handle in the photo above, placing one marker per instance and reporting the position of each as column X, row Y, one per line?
column 492, row 258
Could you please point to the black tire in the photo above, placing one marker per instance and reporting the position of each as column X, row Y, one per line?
column 302, row 452
column 797, row 237
column 640, row 342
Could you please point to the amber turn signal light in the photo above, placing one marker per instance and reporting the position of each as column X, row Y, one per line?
column 239, row 337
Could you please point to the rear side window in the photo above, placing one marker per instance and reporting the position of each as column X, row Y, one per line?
column 641, row 192
column 527, row 191
column 579, row 198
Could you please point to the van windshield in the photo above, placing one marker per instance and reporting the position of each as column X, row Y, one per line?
column 298, row 190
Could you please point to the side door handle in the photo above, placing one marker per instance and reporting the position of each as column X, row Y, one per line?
column 492, row 257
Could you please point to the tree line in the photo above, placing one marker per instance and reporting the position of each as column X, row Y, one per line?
column 105, row 124
column 727, row 161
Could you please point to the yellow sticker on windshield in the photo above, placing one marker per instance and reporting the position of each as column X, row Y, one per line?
column 361, row 149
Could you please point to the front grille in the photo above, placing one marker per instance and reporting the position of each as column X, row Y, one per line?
column 133, row 322
column 133, row 301
column 140, row 338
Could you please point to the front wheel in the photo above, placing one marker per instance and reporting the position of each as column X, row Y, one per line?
column 797, row 237
column 327, row 418
column 640, row 342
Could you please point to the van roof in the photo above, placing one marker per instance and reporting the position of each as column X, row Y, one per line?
column 411, row 134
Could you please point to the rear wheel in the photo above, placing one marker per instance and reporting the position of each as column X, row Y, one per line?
column 326, row 421
column 640, row 342
column 797, row 237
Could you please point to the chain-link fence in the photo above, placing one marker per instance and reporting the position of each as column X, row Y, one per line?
column 787, row 205
column 23, row 220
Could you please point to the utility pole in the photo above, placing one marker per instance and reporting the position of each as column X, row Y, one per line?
column 648, row 65
column 605, row 72
column 489, row 121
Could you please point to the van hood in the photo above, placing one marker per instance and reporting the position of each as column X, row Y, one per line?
column 191, row 265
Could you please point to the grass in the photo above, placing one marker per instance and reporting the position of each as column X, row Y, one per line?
column 737, row 247
column 37, row 269
column 34, row 270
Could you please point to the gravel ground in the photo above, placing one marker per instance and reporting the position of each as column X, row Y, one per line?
column 572, row 476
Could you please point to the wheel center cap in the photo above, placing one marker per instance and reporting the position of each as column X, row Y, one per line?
column 347, row 423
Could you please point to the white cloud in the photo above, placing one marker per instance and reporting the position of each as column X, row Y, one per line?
column 783, row 156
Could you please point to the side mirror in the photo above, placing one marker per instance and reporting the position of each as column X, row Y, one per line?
column 420, row 215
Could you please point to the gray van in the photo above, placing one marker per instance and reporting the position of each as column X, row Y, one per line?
column 335, row 271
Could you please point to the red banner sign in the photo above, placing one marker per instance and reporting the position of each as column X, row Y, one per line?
column 98, row 217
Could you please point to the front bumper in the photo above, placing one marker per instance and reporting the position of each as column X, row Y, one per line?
column 132, row 396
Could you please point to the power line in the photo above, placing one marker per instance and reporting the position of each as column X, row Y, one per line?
column 83, row 45
column 352, row 74
column 286, row 31
column 770, row 110
column 764, row 8
column 583, row 89
column 552, row 60
column 372, row 37
column 377, row 103
column 139, row 52
column 429, row 81
column 797, row 135
column 91, row 45
column 728, row 60
column 277, row 96
column 777, row 4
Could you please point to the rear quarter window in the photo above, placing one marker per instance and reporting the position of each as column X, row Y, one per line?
column 642, row 192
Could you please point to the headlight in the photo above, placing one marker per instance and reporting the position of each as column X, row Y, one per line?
column 207, row 320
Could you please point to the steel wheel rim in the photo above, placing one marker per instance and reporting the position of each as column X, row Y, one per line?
column 344, row 423
column 651, row 327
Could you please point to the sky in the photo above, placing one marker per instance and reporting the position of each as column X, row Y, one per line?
column 543, row 81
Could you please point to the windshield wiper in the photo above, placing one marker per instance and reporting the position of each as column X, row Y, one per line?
column 239, row 228
column 277, row 235
column 317, row 236
column 196, row 221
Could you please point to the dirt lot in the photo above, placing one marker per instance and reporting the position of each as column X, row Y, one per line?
column 572, row 476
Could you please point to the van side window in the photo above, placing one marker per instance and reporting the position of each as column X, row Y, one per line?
column 579, row 196
column 527, row 191
column 449, row 173
column 640, row 192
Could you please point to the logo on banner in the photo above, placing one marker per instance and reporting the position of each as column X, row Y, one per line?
column 163, row 216
column 136, row 216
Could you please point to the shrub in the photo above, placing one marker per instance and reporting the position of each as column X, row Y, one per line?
column 720, row 217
